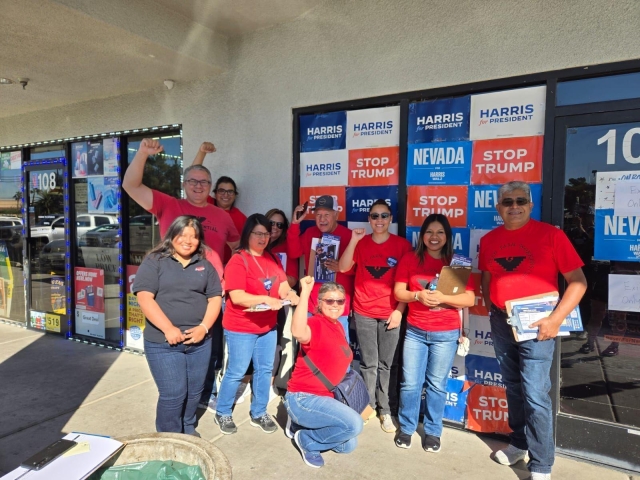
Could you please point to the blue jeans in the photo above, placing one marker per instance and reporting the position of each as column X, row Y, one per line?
column 179, row 372
column 243, row 348
column 429, row 353
column 525, row 368
column 325, row 423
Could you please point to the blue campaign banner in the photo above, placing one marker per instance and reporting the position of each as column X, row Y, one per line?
column 443, row 163
column 323, row 132
column 482, row 200
column 484, row 370
column 360, row 199
column 461, row 239
column 439, row 120
column 456, row 404
column 616, row 237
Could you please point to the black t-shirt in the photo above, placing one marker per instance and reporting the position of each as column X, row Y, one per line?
column 181, row 292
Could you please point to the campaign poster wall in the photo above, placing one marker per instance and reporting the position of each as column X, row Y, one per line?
column 353, row 156
column 460, row 152
column 89, row 313
column 135, row 317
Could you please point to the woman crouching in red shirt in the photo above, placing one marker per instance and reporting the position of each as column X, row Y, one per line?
column 317, row 421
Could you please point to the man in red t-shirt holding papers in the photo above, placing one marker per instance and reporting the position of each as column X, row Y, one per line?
column 326, row 216
column 520, row 259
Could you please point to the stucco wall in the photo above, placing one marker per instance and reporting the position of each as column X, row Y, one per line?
column 344, row 50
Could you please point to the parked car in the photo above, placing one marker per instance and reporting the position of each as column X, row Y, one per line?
column 11, row 234
column 54, row 230
column 102, row 236
column 52, row 257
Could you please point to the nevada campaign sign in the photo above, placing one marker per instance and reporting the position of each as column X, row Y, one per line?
column 323, row 132
column 442, row 163
column 509, row 113
column 483, row 199
column 373, row 127
column 616, row 237
column 439, row 120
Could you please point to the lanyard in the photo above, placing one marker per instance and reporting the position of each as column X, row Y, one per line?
column 267, row 280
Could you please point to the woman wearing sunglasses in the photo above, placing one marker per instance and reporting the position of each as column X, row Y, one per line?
column 285, row 242
column 377, row 312
column 318, row 422
column 433, row 327
column 253, row 277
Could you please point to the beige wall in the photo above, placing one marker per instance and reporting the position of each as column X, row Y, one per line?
column 345, row 50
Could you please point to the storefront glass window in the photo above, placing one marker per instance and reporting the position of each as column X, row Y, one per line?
column 11, row 261
column 601, row 89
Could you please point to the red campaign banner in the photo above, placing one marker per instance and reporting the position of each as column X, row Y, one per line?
column 310, row 194
column 487, row 409
column 447, row 200
column 503, row 160
column 479, row 308
column 89, row 289
column 374, row 167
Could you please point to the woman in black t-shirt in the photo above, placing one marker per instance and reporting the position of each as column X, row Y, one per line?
column 179, row 293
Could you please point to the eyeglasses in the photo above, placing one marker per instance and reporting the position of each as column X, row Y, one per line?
column 280, row 225
column 375, row 216
column 195, row 183
column 262, row 234
column 333, row 301
column 222, row 191
column 520, row 201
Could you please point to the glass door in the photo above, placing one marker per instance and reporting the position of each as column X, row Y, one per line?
column 598, row 395
column 47, row 246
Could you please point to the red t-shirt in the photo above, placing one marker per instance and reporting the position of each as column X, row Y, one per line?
column 431, row 320
column 291, row 247
column 244, row 273
column 525, row 261
column 217, row 225
column 329, row 351
column 376, row 274
column 344, row 279
column 239, row 219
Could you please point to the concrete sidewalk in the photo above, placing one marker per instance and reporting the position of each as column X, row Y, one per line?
column 52, row 386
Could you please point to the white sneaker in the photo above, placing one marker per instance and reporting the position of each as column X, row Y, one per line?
column 509, row 455
column 540, row 476
column 273, row 394
column 243, row 391
column 386, row 423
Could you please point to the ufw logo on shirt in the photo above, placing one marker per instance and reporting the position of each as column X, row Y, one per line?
column 377, row 272
column 510, row 264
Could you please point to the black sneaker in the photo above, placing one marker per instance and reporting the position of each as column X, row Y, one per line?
column 403, row 440
column 431, row 443
column 265, row 423
column 587, row 347
column 226, row 424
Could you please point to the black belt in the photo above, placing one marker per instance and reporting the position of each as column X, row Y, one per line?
column 498, row 310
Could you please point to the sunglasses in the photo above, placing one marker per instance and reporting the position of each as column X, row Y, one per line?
column 520, row 201
column 280, row 225
column 375, row 216
column 333, row 301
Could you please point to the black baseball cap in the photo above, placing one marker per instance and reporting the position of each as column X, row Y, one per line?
column 326, row 201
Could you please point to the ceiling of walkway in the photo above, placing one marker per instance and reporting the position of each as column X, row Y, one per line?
column 77, row 50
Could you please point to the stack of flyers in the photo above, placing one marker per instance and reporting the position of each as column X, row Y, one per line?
column 263, row 307
column 460, row 260
column 528, row 311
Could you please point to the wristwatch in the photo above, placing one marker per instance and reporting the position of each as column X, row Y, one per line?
column 415, row 297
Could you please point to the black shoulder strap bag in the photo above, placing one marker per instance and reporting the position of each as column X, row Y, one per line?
column 351, row 390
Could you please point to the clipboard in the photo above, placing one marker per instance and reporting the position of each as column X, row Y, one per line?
column 508, row 304
column 453, row 280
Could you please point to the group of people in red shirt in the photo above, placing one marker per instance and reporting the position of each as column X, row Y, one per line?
column 377, row 276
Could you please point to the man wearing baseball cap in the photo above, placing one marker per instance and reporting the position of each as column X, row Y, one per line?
column 326, row 215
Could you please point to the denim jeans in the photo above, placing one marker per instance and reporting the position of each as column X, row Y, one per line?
column 325, row 423
column 215, row 363
column 525, row 368
column 179, row 372
column 243, row 348
column 379, row 361
column 430, row 354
